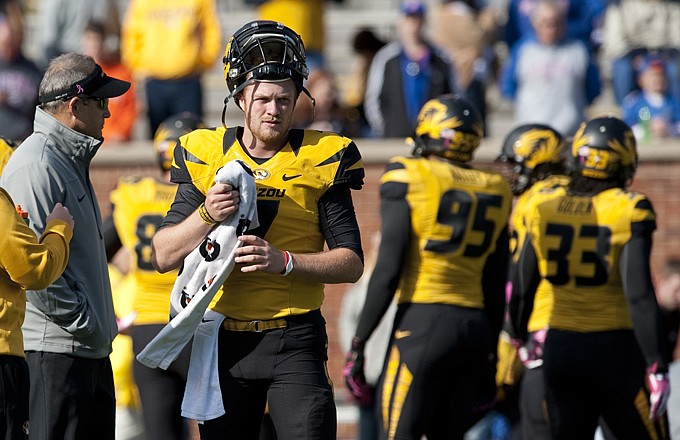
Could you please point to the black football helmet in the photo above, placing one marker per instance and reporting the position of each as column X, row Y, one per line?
column 532, row 151
column 264, row 50
column 450, row 127
column 604, row 148
column 168, row 133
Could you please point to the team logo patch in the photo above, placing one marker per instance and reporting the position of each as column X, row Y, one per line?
column 243, row 226
column 209, row 249
column 208, row 283
column 185, row 299
column 260, row 174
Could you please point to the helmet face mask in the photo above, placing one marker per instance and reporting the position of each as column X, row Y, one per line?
column 449, row 127
column 168, row 133
column 605, row 149
column 528, row 150
column 264, row 51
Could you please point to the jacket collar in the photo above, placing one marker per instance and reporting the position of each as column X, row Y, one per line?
column 76, row 145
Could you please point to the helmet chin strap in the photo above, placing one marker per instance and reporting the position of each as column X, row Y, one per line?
column 235, row 92
column 245, row 84
column 306, row 92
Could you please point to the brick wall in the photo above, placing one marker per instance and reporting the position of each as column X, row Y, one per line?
column 658, row 176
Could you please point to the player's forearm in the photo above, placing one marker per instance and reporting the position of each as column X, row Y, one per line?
column 335, row 266
column 172, row 244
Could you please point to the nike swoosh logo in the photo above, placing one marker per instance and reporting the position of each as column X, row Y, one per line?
column 206, row 320
column 287, row 178
column 80, row 199
column 401, row 334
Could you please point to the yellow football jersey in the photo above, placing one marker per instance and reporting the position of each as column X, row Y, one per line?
column 578, row 243
column 289, row 187
column 457, row 215
column 140, row 206
column 543, row 301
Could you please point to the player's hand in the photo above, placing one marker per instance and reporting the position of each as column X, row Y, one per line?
column 126, row 322
column 531, row 352
column 353, row 372
column 659, row 390
column 256, row 253
column 61, row 212
column 221, row 201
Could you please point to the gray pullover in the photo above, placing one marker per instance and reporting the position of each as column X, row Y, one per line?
column 75, row 314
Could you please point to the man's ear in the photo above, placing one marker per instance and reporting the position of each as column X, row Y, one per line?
column 238, row 99
column 73, row 105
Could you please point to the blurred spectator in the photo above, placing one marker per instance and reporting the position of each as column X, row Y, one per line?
column 551, row 79
column 13, row 11
column 365, row 45
column 584, row 20
column 169, row 45
column 19, row 81
column 306, row 17
column 652, row 112
column 118, row 127
column 459, row 29
column 631, row 29
column 404, row 75
column 328, row 114
column 62, row 23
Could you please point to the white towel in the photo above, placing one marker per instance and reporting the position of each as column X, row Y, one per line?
column 202, row 393
column 204, row 271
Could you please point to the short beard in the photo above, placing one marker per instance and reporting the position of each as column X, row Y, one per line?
column 268, row 137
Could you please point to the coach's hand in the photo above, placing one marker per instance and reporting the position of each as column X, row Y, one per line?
column 659, row 390
column 353, row 372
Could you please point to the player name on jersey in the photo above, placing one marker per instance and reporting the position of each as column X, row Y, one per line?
column 570, row 206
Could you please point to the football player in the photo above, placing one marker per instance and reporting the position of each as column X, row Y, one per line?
column 272, row 345
column 444, row 251
column 138, row 207
column 534, row 155
column 591, row 245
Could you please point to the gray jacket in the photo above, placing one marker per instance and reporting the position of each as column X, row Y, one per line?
column 75, row 314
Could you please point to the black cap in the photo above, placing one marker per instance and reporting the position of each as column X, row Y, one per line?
column 97, row 85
